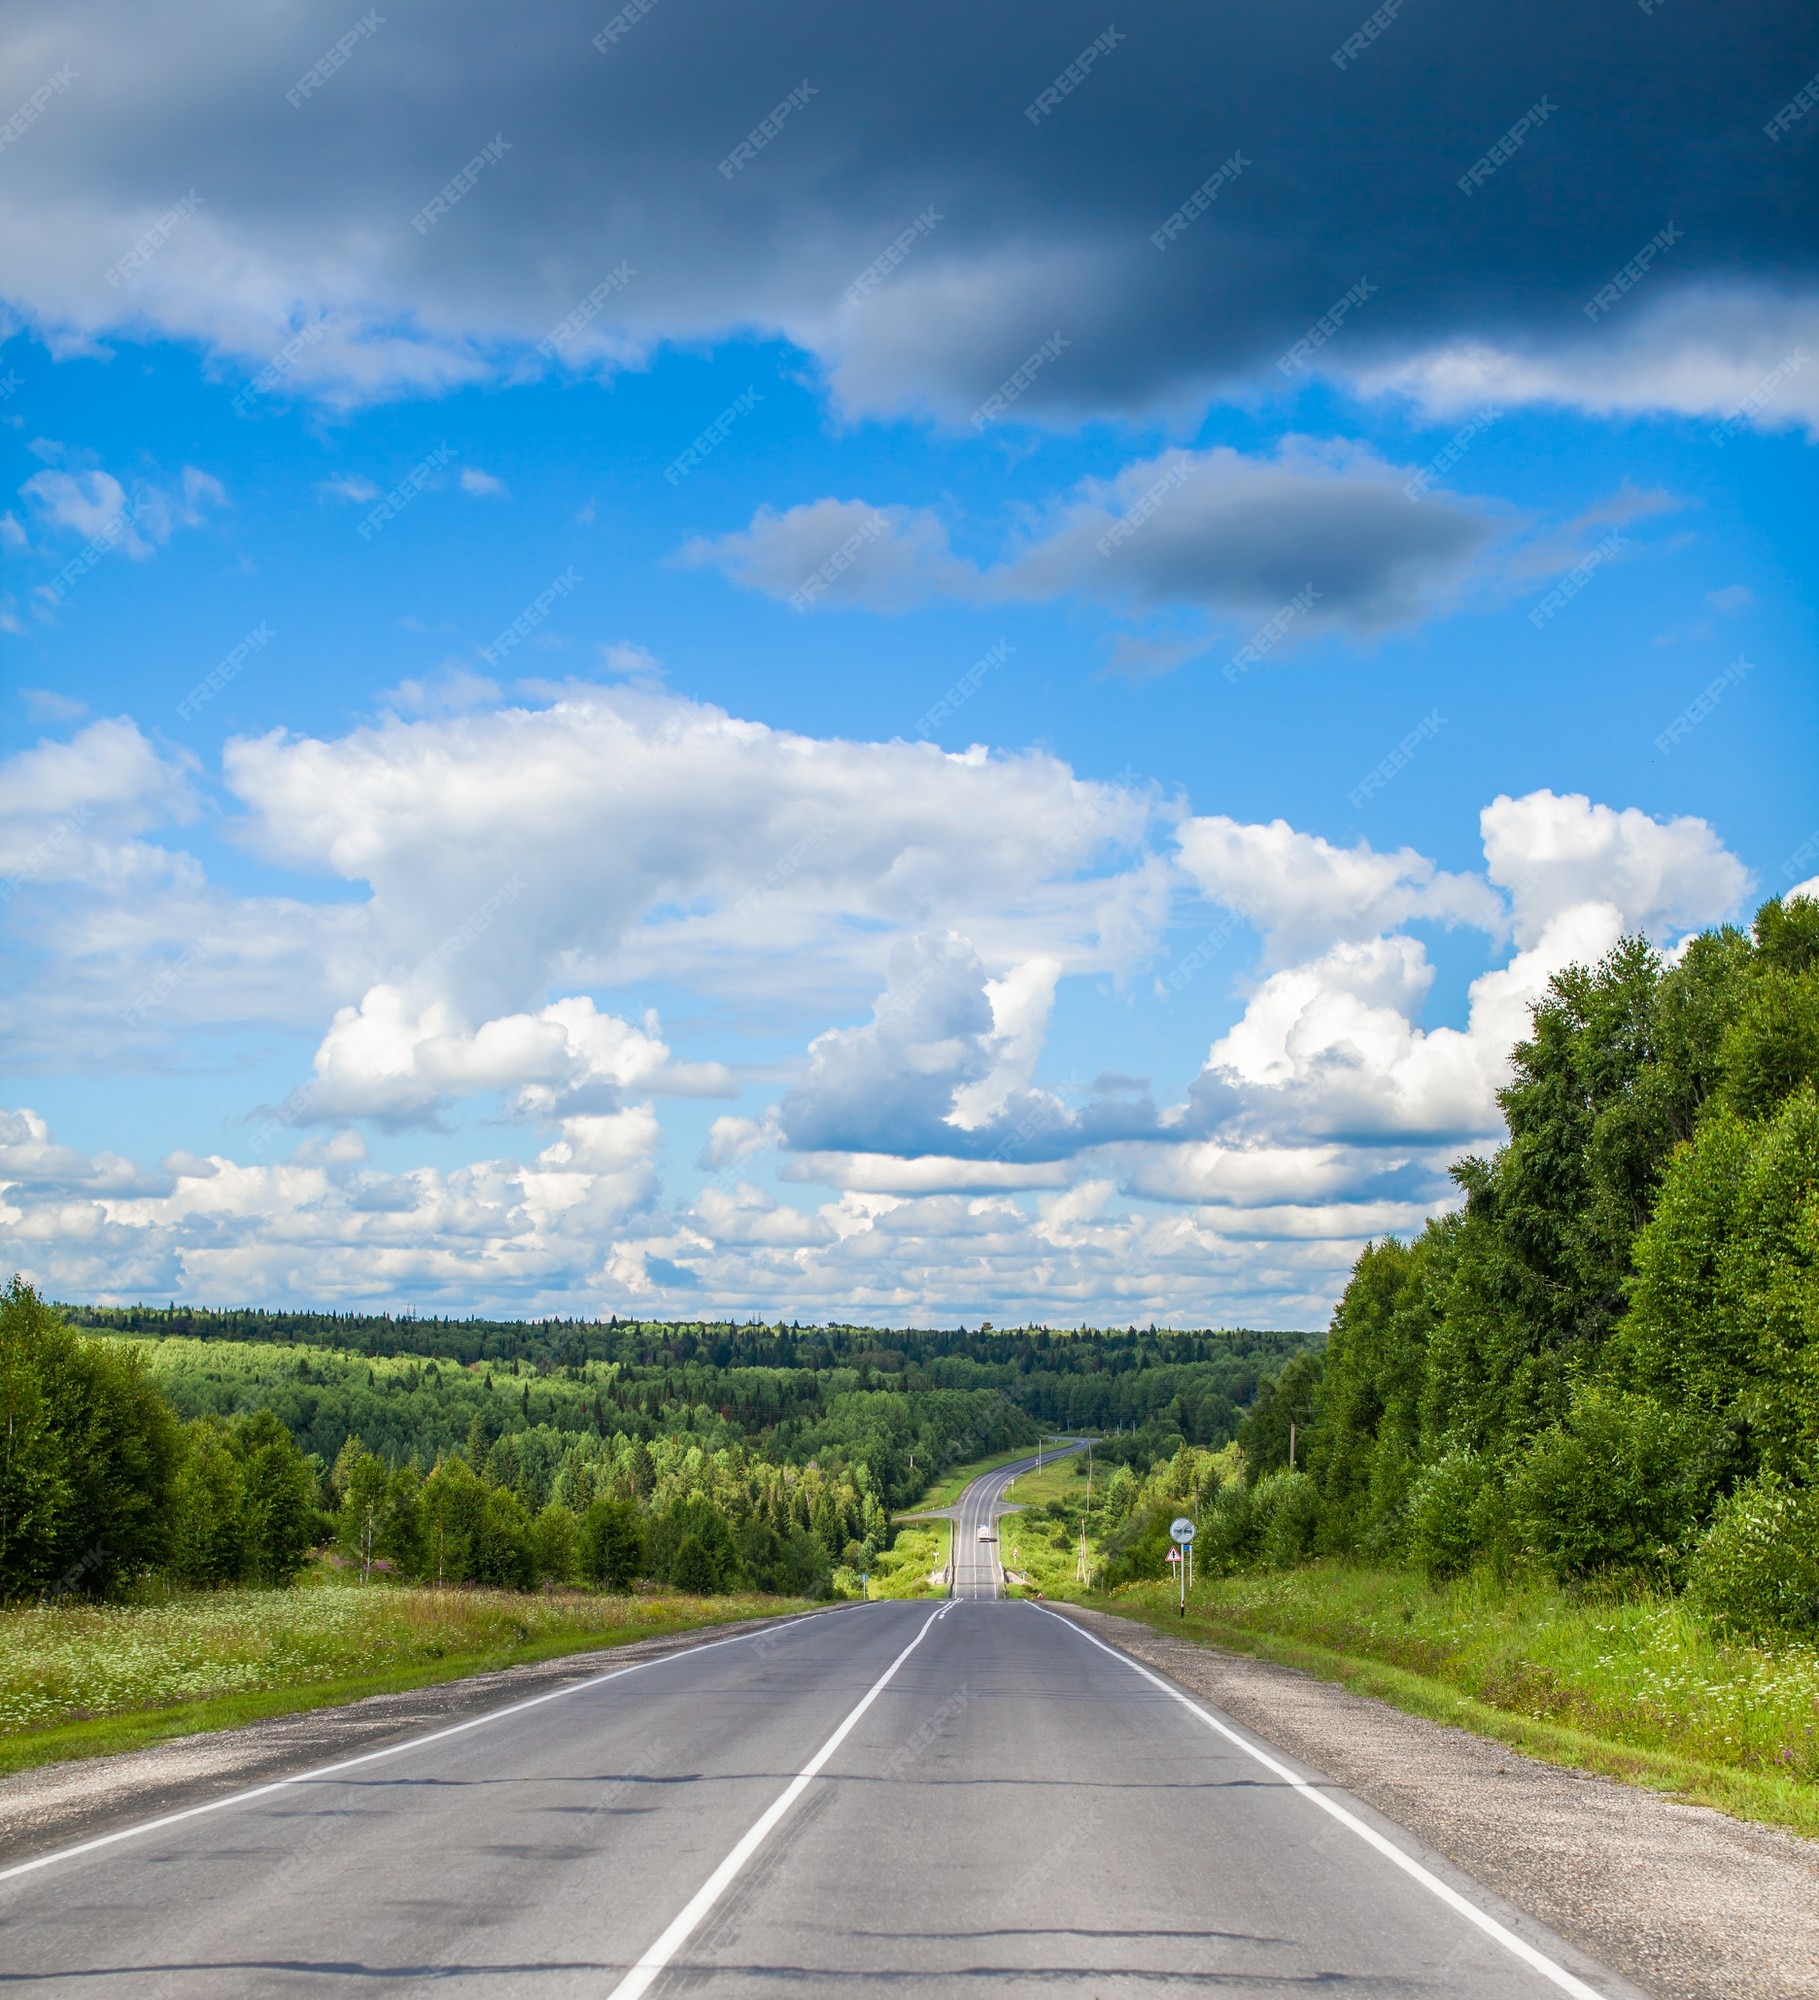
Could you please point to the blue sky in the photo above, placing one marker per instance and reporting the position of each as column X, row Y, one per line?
column 875, row 882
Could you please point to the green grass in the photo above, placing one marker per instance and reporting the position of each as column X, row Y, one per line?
column 904, row 1571
column 1636, row 1687
column 1042, row 1547
column 87, row 1680
column 948, row 1488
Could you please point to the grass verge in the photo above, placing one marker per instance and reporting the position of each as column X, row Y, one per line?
column 1043, row 1541
column 904, row 1570
column 1637, row 1688
column 948, row 1488
column 94, row 1680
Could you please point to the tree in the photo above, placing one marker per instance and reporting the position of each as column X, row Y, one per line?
column 1287, row 1398
column 361, row 1479
column 453, row 1502
column 553, row 1545
column 611, row 1544
column 282, row 1511
column 502, row 1543
column 693, row 1568
column 88, row 1453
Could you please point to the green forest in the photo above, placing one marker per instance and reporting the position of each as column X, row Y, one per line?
column 191, row 1449
column 1604, row 1366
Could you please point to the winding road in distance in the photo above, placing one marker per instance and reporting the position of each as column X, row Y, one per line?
column 960, row 1796
column 978, row 1570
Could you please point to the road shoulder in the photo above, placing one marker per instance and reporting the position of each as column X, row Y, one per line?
column 1690, row 1904
column 56, row 1805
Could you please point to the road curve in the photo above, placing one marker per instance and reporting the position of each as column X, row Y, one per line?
column 912, row 1798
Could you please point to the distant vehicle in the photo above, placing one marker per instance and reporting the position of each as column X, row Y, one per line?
column 986, row 1535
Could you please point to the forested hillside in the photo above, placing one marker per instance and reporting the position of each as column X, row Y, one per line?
column 1606, row 1365
column 719, row 1378
column 215, row 1447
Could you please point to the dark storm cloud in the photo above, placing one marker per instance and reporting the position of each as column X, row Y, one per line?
column 1214, row 529
column 753, row 165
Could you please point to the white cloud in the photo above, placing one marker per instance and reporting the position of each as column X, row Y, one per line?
column 86, row 503
column 481, row 484
column 944, row 1067
column 481, row 863
column 621, row 833
column 47, row 705
column 574, row 1229
column 840, row 552
column 1745, row 356
column 453, row 689
column 391, row 1061
column 1330, row 1047
column 92, row 503
column 927, row 1173
column 1298, row 889
column 69, row 812
column 1552, row 852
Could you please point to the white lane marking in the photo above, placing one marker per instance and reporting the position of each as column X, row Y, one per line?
column 639, row 1978
column 1501, row 1933
column 391, row 1750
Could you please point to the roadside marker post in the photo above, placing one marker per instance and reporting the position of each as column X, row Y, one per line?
column 1181, row 1533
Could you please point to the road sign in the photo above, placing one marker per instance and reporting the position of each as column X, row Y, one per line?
column 1174, row 1555
column 1181, row 1531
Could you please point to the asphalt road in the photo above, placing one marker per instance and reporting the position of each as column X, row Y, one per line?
column 914, row 1798
column 978, row 1571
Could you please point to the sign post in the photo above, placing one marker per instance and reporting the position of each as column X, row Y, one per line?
column 1181, row 1533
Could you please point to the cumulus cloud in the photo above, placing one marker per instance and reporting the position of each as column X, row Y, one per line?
column 400, row 1065
column 917, row 1155
column 621, row 833
column 1331, row 1047
column 944, row 1067
column 577, row 1227
column 1552, row 853
column 324, row 1225
column 493, row 859
column 71, row 812
column 1299, row 889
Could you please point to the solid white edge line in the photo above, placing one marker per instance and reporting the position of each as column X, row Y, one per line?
column 1519, row 1947
column 391, row 1750
column 657, row 1958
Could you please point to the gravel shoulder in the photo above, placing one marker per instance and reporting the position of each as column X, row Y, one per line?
column 1688, row 1903
column 57, row 1805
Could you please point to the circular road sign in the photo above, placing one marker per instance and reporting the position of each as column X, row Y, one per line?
column 1181, row 1530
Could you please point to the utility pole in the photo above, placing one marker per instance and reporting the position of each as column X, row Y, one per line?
column 1291, row 1444
column 1080, row 1560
